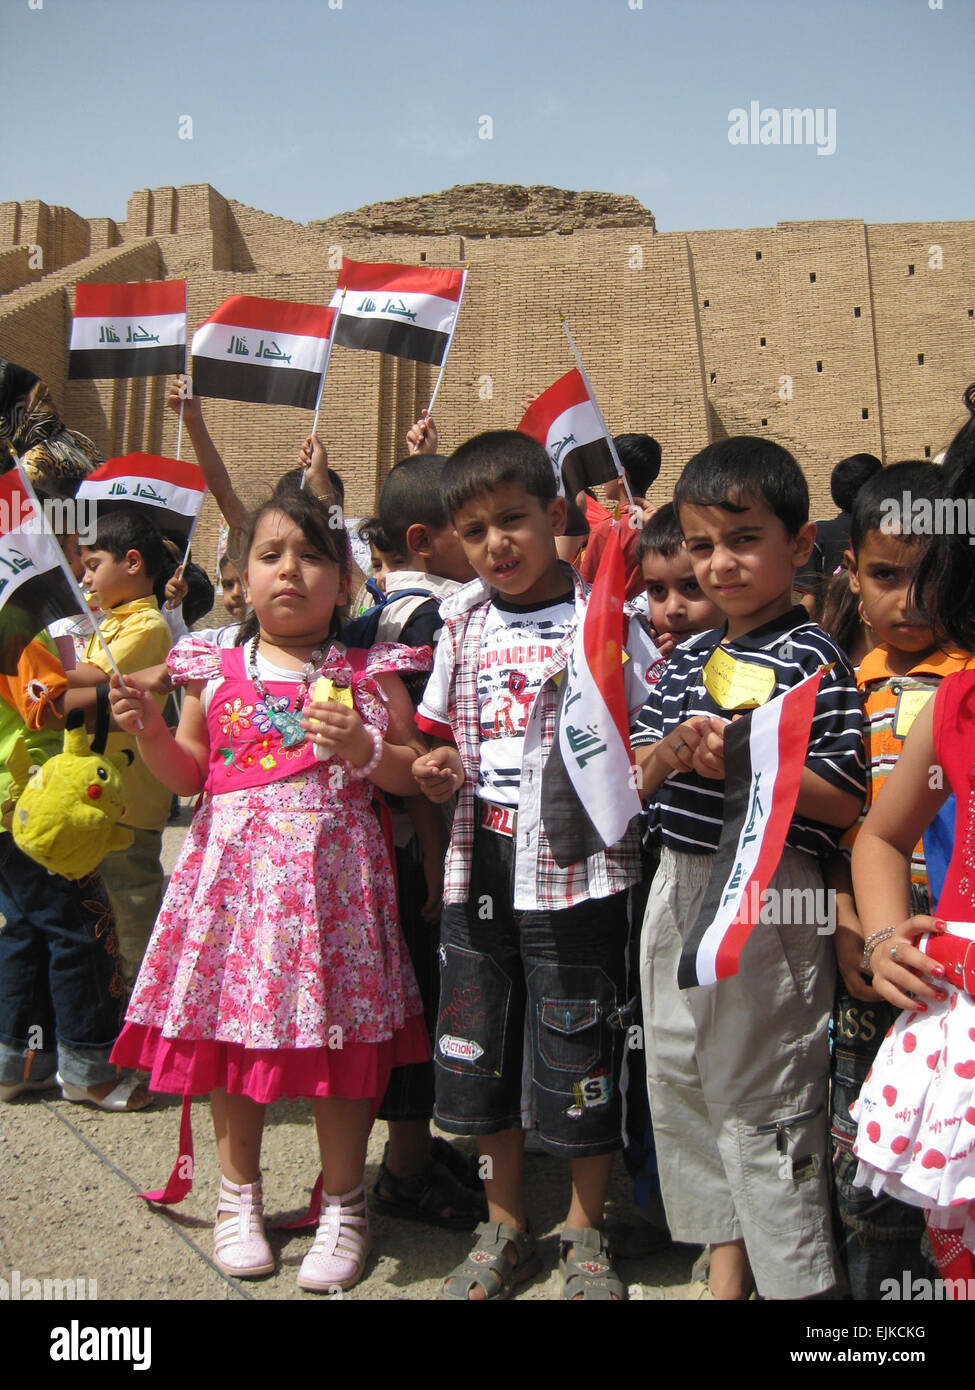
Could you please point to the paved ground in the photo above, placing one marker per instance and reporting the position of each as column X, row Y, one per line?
column 69, row 1209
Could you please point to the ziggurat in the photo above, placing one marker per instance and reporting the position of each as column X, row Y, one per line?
column 830, row 337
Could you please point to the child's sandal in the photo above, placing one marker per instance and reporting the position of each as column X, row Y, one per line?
column 239, row 1246
column 488, row 1265
column 588, row 1274
column 342, row 1244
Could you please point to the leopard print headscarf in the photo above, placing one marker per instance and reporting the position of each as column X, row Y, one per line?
column 56, row 458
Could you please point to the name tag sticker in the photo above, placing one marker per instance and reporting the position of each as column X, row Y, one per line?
column 909, row 705
column 737, row 684
column 326, row 690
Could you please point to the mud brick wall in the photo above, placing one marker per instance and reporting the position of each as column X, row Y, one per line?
column 816, row 334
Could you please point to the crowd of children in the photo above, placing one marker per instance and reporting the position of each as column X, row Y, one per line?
column 370, row 909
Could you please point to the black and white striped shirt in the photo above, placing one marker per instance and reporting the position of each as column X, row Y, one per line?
column 686, row 811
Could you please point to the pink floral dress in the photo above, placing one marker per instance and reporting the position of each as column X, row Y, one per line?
column 276, row 966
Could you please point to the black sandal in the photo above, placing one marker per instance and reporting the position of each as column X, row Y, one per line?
column 436, row 1197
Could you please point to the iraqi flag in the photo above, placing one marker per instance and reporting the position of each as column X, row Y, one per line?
column 764, row 754
column 34, row 589
column 566, row 423
column 404, row 310
column 171, row 491
column 589, row 794
column 128, row 330
column 268, row 351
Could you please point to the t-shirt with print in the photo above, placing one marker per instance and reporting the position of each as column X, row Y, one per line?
column 517, row 642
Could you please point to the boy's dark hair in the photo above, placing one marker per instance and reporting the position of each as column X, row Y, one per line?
column 945, row 582
column 848, row 477
column 313, row 519
column 880, row 499
column 411, row 496
column 640, row 456
column 733, row 473
column 372, row 533
column 128, row 528
column 493, row 459
column 661, row 535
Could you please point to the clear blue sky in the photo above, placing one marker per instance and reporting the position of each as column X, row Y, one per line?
column 305, row 110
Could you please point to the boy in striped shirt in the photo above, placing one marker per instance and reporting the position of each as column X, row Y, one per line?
column 738, row 1070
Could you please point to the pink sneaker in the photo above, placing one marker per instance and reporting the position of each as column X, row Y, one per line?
column 338, row 1257
column 239, row 1247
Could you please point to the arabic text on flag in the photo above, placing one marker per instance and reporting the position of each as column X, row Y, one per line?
column 33, row 588
column 565, row 422
column 406, row 311
column 128, row 330
column 172, row 489
column 764, row 754
column 269, row 351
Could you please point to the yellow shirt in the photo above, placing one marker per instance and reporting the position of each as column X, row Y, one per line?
column 138, row 636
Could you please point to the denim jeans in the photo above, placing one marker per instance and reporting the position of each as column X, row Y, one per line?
column 549, row 983
column 60, row 992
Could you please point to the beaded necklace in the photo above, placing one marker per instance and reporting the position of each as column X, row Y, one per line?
column 286, row 723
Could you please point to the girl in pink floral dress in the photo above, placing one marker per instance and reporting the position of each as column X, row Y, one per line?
column 276, row 967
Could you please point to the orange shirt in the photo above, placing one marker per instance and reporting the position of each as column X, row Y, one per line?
column 890, row 705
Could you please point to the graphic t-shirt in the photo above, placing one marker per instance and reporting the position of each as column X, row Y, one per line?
column 517, row 643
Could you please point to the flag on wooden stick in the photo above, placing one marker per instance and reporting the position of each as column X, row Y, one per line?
column 269, row 351
column 764, row 754
column 33, row 587
column 128, row 330
column 170, row 490
column 404, row 310
column 589, row 792
column 566, row 423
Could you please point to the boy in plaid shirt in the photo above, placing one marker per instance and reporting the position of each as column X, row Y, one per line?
column 523, row 940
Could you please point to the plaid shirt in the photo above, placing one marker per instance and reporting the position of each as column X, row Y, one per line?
column 539, row 882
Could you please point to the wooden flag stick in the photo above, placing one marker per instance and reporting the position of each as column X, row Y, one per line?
column 595, row 405
column 443, row 364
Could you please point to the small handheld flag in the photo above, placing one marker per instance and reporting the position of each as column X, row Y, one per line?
column 764, row 754
column 128, row 330
column 564, row 421
column 171, row 490
column 34, row 590
column 589, row 793
column 269, row 351
column 404, row 310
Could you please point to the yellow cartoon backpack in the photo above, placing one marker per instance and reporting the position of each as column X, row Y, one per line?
column 66, row 812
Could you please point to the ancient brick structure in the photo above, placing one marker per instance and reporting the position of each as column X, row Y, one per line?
column 831, row 337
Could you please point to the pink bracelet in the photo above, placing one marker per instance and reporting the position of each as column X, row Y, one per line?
column 377, row 754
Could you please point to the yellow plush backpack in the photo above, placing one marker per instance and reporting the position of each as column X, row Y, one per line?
column 66, row 812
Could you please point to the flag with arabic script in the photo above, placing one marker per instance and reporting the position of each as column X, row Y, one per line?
column 566, row 423
column 764, row 754
column 34, row 589
column 269, row 351
column 171, row 491
column 589, row 789
column 404, row 310
column 128, row 330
